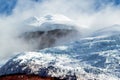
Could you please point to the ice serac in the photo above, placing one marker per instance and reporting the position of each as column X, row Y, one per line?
column 46, row 31
column 91, row 58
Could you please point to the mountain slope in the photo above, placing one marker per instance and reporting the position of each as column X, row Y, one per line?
column 89, row 58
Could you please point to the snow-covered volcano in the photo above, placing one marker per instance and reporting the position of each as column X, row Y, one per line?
column 90, row 58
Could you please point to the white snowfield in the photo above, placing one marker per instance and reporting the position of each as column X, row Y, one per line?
column 96, row 57
column 49, row 22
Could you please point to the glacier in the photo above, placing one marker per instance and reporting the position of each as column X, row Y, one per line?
column 93, row 57
column 96, row 57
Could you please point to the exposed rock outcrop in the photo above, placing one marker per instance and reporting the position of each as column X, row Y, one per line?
column 25, row 77
column 45, row 39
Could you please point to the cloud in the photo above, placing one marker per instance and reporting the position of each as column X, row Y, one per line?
column 84, row 12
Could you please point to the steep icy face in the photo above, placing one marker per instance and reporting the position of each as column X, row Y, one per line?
column 89, row 58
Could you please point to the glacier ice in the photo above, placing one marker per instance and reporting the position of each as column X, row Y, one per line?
column 95, row 57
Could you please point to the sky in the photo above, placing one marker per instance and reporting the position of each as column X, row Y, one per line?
column 7, row 6
column 89, row 14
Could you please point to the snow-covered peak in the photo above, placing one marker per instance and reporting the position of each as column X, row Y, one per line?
column 48, row 18
column 32, row 19
column 57, row 17
column 49, row 22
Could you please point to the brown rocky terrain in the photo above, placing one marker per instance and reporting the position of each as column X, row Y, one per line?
column 26, row 77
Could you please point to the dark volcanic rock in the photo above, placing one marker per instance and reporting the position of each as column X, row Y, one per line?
column 45, row 39
column 25, row 77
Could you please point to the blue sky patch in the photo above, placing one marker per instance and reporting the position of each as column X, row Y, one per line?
column 7, row 6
